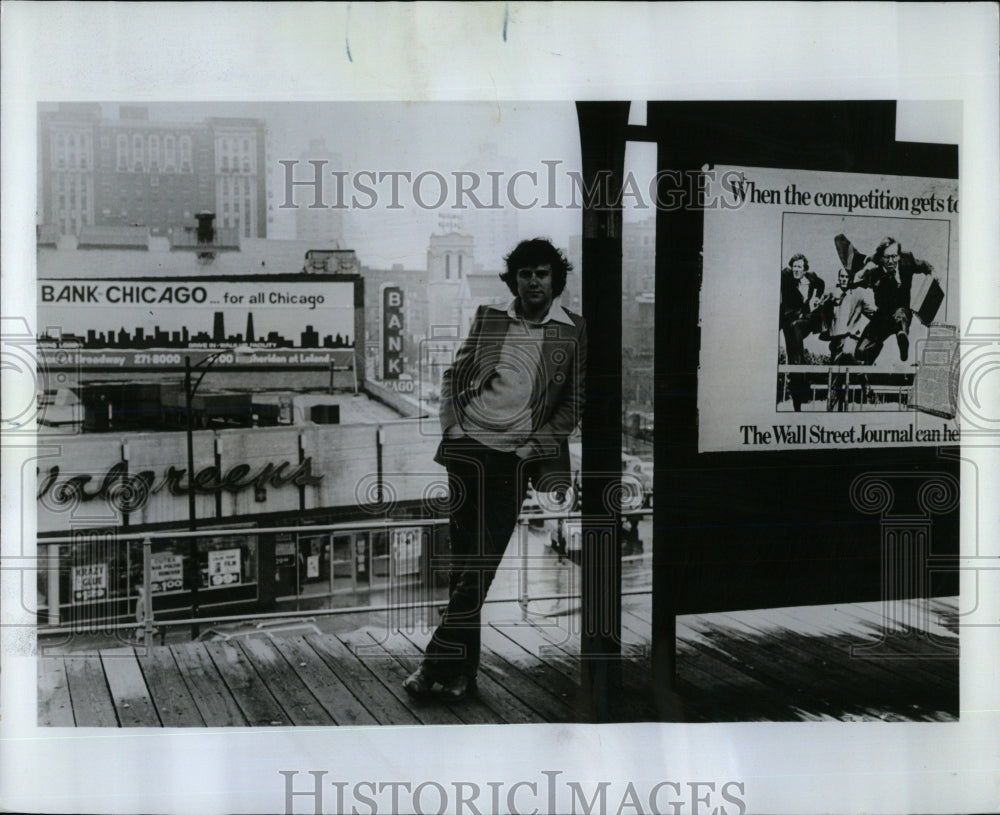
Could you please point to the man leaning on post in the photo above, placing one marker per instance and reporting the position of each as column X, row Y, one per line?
column 508, row 405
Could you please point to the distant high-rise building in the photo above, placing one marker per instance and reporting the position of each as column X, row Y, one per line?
column 249, row 337
column 218, row 328
column 100, row 170
column 324, row 226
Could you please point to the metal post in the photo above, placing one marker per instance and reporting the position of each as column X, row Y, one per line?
column 53, row 581
column 192, row 521
column 147, row 595
column 379, row 496
column 522, row 594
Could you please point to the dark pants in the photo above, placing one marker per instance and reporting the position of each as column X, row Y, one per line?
column 795, row 331
column 883, row 325
column 837, row 398
column 487, row 490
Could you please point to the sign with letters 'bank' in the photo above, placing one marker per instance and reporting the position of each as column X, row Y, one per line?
column 392, row 332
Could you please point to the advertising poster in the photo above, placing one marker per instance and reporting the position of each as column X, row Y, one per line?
column 167, row 572
column 90, row 582
column 224, row 567
column 820, row 292
column 126, row 324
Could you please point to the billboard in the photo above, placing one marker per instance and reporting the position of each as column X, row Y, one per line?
column 820, row 294
column 153, row 323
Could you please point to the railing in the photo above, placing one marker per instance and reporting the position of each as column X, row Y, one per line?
column 524, row 596
column 150, row 625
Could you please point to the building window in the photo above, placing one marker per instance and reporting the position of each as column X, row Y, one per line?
column 154, row 153
column 169, row 156
column 460, row 267
column 122, row 152
column 138, row 160
column 447, row 267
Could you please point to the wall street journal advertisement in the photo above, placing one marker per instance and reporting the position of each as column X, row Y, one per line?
column 824, row 296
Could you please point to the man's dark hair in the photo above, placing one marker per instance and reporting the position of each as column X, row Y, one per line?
column 537, row 252
column 803, row 258
column 884, row 244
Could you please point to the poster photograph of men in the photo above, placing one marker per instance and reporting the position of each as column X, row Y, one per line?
column 851, row 312
column 856, row 274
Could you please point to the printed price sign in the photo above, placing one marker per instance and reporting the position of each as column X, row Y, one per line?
column 224, row 567
column 90, row 582
column 167, row 571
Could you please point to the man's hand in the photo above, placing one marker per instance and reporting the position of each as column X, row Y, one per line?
column 454, row 432
column 524, row 451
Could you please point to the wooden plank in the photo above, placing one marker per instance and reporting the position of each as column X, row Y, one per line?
column 637, row 625
column 899, row 634
column 636, row 701
column 898, row 652
column 784, row 700
column 556, row 647
column 128, row 689
column 818, row 673
column 391, row 674
column 926, row 677
column 382, row 704
column 738, row 695
column 259, row 707
column 808, row 672
column 544, row 701
column 539, row 671
column 55, row 709
column 639, row 605
column 529, row 639
column 168, row 690
column 500, row 704
column 326, row 686
column 88, row 690
column 285, row 685
column 215, row 703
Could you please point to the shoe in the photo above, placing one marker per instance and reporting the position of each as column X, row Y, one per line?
column 460, row 687
column 419, row 684
column 904, row 346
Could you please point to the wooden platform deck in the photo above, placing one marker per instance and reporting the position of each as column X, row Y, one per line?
column 791, row 664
